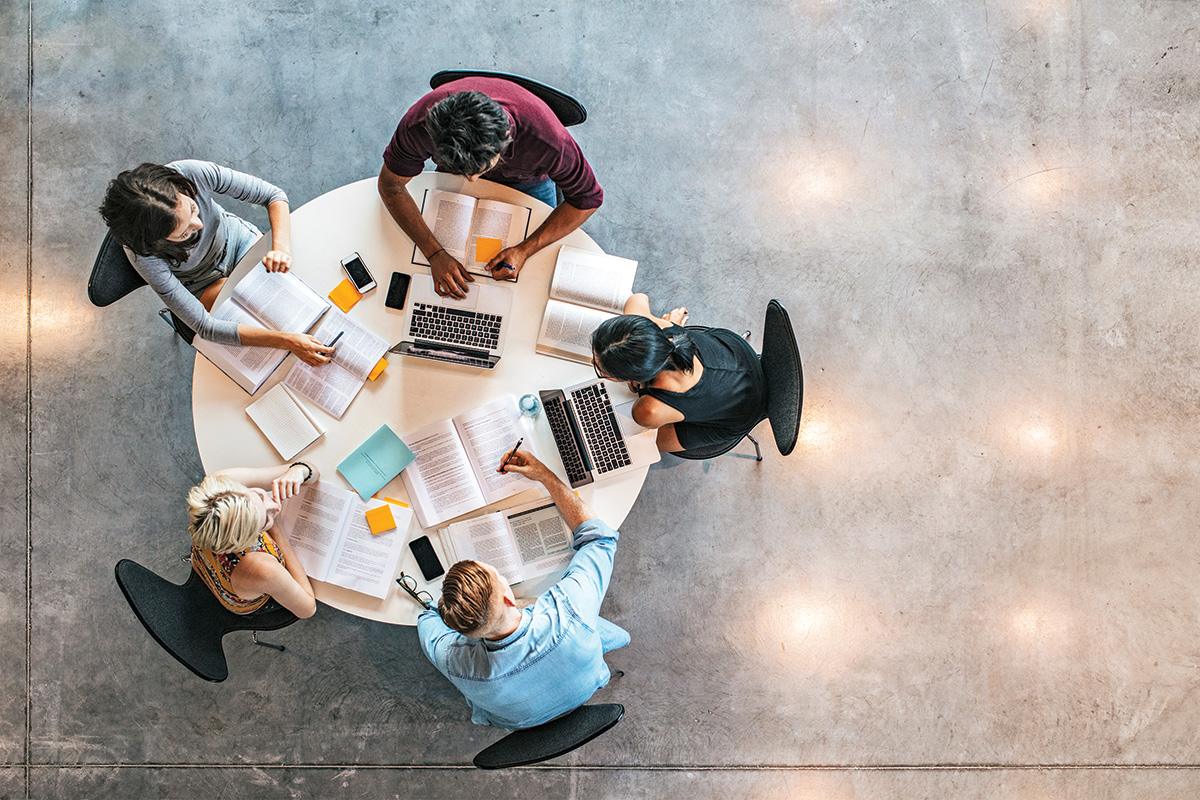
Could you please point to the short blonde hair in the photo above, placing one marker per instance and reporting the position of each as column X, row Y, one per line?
column 222, row 517
column 466, row 604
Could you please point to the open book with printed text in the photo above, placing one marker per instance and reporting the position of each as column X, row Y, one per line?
column 332, row 386
column 528, row 541
column 459, row 221
column 275, row 300
column 328, row 529
column 456, row 459
column 587, row 289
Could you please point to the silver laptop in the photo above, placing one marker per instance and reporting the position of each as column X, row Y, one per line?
column 470, row 332
column 595, row 438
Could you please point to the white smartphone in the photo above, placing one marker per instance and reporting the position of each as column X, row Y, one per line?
column 356, row 270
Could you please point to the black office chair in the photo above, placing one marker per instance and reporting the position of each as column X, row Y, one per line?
column 568, row 110
column 188, row 621
column 551, row 739
column 113, row 277
column 784, row 374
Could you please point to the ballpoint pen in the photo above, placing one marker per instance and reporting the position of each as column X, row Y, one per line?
column 511, row 454
column 331, row 344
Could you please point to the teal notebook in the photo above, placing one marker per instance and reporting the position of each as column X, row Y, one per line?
column 377, row 460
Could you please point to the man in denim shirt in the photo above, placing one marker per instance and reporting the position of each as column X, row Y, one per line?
column 519, row 667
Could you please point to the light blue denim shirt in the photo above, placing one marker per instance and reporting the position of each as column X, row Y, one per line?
column 553, row 662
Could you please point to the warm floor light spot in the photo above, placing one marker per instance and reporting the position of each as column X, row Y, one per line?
column 816, row 434
column 1038, row 437
column 822, row 180
column 1040, row 625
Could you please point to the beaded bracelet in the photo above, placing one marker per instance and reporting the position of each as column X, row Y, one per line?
column 306, row 466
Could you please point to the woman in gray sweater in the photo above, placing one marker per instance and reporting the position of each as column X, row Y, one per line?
column 185, row 245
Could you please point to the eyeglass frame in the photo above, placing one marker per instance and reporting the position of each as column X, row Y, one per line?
column 412, row 590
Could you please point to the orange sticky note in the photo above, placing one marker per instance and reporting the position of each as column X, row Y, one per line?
column 396, row 502
column 378, row 369
column 487, row 248
column 380, row 519
column 345, row 296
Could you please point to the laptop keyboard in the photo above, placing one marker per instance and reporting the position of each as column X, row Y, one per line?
column 432, row 323
column 595, row 413
column 556, row 415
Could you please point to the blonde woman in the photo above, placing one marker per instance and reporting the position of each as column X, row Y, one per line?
column 236, row 549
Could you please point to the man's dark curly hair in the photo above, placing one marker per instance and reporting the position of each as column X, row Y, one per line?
column 468, row 129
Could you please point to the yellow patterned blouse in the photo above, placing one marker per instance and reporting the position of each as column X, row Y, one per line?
column 215, row 568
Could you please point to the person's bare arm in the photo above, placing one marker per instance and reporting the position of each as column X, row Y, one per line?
column 562, row 220
column 639, row 305
column 449, row 276
column 574, row 511
column 283, row 481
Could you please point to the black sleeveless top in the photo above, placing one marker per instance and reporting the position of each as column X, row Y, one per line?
column 730, row 397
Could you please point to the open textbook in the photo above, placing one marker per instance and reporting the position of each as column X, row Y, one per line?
column 525, row 542
column 276, row 300
column 328, row 529
column 587, row 289
column 458, row 221
column 455, row 468
column 332, row 386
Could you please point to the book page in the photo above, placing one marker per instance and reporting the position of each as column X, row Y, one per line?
column 495, row 220
column 329, row 386
column 448, row 215
column 313, row 521
column 248, row 366
column 593, row 279
column 440, row 481
column 487, row 539
column 285, row 424
column 280, row 300
column 488, row 433
column 542, row 537
column 366, row 563
column 567, row 329
column 358, row 350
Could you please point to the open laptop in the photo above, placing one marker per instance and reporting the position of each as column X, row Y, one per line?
column 595, row 438
column 470, row 332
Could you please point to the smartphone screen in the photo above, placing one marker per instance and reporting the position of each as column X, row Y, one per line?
column 427, row 559
column 357, row 271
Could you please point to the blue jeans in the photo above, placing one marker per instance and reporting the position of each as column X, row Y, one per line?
column 545, row 191
column 612, row 635
column 240, row 236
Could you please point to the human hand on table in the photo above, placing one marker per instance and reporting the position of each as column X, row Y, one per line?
column 310, row 350
column 677, row 316
column 525, row 463
column 507, row 264
column 450, row 278
column 287, row 484
column 277, row 261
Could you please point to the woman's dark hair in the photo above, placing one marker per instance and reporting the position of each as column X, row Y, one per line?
column 634, row 348
column 468, row 129
column 139, row 208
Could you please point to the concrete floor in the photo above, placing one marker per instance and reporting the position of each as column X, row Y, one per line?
column 975, row 578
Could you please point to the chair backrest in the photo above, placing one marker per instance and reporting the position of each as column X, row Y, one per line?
column 113, row 276
column 552, row 739
column 568, row 110
column 187, row 620
column 784, row 375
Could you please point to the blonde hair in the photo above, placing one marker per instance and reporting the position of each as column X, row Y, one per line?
column 466, row 603
column 222, row 517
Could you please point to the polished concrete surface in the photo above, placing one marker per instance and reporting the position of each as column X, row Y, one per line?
column 974, row 578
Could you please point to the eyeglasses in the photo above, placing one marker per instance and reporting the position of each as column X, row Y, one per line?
column 599, row 374
column 409, row 584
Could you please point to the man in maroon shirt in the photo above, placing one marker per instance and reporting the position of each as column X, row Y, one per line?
column 494, row 129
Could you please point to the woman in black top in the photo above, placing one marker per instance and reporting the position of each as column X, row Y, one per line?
column 698, row 386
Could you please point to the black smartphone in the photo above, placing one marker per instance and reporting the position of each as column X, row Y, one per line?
column 357, row 272
column 427, row 559
column 397, row 290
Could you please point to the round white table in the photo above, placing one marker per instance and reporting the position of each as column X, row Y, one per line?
column 411, row 392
